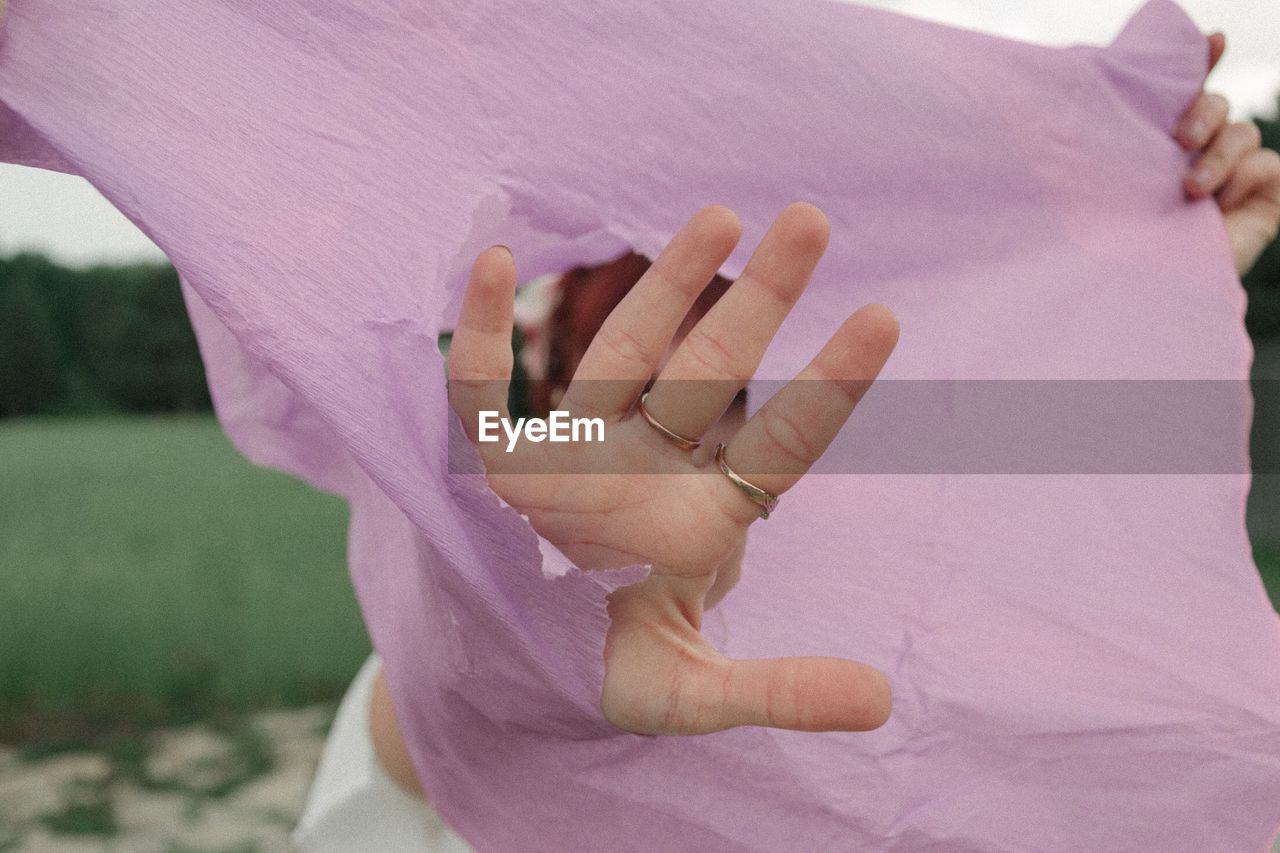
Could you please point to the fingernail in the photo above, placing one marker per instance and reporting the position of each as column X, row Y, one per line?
column 1202, row 177
column 1194, row 132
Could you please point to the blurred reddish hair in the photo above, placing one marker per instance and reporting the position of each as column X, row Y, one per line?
column 586, row 297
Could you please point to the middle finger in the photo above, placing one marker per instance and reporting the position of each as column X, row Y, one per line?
column 723, row 350
column 1202, row 120
column 1221, row 157
column 627, row 348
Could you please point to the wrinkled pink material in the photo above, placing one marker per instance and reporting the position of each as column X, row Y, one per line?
column 1079, row 662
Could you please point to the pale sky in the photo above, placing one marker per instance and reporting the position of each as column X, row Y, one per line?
column 67, row 219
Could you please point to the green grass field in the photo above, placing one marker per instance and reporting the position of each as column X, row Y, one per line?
column 149, row 574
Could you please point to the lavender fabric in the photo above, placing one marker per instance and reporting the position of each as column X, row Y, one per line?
column 1080, row 662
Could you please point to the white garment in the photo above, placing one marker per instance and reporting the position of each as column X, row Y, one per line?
column 353, row 805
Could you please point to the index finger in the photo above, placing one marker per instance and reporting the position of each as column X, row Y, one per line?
column 1217, row 47
column 782, row 440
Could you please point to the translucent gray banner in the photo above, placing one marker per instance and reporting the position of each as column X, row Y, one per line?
column 942, row 427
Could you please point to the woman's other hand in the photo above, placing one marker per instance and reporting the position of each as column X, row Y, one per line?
column 1233, row 167
column 637, row 497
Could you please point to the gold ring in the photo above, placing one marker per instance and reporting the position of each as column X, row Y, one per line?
column 678, row 440
column 767, row 501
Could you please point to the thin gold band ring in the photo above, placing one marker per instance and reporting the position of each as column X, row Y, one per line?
column 675, row 438
column 767, row 501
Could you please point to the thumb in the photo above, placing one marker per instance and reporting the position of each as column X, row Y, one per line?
column 811, row 694
column 663, row 678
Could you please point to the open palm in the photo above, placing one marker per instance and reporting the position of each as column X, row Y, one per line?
column 637, row 497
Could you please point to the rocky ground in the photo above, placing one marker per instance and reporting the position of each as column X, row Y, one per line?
column 187, row 790
column 195, row 789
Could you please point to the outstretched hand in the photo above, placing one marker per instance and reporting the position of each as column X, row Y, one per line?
column 682, row 516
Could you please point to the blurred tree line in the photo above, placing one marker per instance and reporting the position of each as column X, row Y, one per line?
column 117, row 338
column 1263, row 281
column 109, row 338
